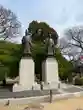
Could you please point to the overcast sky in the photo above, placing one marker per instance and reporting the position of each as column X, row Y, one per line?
column 59, row 14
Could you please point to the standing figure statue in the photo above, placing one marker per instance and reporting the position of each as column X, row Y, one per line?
column 26, row 44
column 50, row 45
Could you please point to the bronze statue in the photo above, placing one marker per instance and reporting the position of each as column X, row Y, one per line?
column 28, row 42
column 50, row 45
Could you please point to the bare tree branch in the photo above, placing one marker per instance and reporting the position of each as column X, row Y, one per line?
column 9, row 25
column 72, row 42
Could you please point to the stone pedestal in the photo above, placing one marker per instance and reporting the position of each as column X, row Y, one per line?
column 50, row 73
column 26, row 75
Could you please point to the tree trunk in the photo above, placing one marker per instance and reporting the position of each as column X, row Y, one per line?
column 70, row 79
column 4, row 82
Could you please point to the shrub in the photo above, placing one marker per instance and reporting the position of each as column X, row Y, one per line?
column 81, row 79
column 78, row 81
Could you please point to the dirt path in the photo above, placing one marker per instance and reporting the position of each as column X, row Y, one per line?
column 70, row 104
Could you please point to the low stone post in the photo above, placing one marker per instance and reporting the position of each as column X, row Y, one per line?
column 50, row 96
column 41, row 86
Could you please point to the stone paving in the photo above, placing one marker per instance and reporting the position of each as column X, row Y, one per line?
column 30, row 93
column 6, row 93
column 73, row 89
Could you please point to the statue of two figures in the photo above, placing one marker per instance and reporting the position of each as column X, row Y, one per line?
column 28, row 38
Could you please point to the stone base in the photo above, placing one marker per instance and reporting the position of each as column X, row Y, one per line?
column 52, row 85
column 50, row 70
column 36, row 86
column 55, row 85
column 26, row 72
column 26, row 75
column 18, row 88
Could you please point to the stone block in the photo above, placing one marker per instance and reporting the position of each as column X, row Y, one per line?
column 26, row 75
column 50, row 73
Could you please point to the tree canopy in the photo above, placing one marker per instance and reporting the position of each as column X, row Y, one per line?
column 10, row 55
column 9, row 24
column 65, row 67
column 34, row 25
column 72, row 42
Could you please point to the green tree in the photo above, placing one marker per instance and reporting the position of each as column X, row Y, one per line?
column 34, row 25
column 10, row 55
column 65, row 66
column 3, row 73
column 39, row 52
